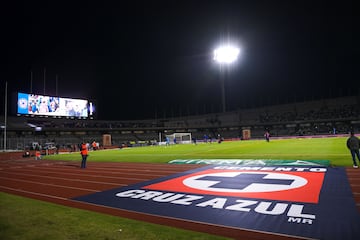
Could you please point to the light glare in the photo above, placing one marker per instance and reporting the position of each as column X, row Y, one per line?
column 226, row 54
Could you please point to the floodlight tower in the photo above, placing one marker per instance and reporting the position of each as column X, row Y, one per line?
column 225, row 56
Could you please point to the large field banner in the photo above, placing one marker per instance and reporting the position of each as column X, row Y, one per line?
column 313, row 202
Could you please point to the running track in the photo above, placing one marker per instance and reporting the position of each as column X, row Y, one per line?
column 59, row 181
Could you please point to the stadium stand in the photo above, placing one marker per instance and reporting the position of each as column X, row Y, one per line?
column 325, row 117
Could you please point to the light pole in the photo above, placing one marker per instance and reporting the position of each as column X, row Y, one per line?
column 5, row 111
column 225, row 55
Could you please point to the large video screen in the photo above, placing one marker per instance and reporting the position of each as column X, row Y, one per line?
column 33, row 104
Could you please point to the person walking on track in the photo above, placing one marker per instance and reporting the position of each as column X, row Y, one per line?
column 84, row 155
column 353, row 145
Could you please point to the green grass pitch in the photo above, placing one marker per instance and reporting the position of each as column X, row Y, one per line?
column 332, row 149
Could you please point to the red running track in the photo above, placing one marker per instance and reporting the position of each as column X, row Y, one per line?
column 59, row 181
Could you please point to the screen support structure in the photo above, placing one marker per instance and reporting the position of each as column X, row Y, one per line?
column 5, row 115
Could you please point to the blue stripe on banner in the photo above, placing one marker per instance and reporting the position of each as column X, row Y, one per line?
column 207, row 195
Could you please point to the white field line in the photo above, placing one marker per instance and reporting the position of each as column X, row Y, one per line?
column 109, row 170
column 137, row 170
column 79, row 174
column 33, row 193
column 141, row 170
column 120, row 167
column 111, row 165
column 65, row 179
column 16, row 166
column 48, row 184
column 122, row 170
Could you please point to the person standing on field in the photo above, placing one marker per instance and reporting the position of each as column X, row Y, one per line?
column 38, row 152
column 94, row 145
column 353, row 145
column 267, row 136
column 84, row 155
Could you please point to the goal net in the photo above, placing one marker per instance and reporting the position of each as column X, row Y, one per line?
column 181, row 138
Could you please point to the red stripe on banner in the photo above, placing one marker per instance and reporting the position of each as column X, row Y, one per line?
column 308, row 192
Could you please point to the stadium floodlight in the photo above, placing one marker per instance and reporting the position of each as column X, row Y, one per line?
column 225, row 55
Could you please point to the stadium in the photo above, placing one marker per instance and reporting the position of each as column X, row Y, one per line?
column 328, row 117
column 164, row 120
column 313, row 133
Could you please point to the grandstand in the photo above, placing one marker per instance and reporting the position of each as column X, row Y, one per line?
column 325, row 117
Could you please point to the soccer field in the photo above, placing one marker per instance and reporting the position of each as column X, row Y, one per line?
column 332, row 149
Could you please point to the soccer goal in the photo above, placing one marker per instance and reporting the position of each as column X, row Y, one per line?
column 181, row 138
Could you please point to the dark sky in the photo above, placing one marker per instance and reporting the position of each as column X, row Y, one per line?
column 154, row 59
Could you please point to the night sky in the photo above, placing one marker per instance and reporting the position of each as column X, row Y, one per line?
column 154, row 59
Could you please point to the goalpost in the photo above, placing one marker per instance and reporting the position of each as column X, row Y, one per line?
column 181, row 138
